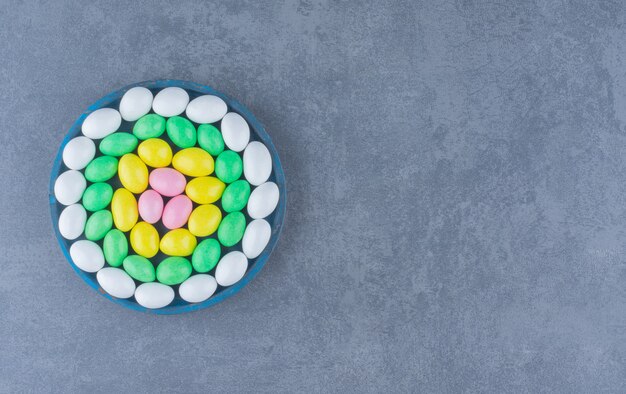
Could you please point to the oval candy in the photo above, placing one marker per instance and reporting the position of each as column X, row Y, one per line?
column 97, row 196
column 144, row 239
column 118, row 144
column 194, row 162
column 115, row 247
column 206, row 255
column 256, row 237
column 181, row 131
column 133, row 173
column 69, row 187
column 78, row 153
column 257, row 163
column 231, row 268
column 101, row 169
column 206, row 109
column 204, row 220
column 176, row 212
column 210, row 139
column 72, row 221
column 150, row 206
column 87, row 255
column 167, row 181
column 116, row 282
column 124, row 209
column 135, row 103
column 235, row 131
column 139, row 268
column 170, row 101
column 263, row 200
column 231, row 229
column 173, row 270
column 197, row 288
column 155, row 152
column 178, row 242
column 149, row 126
column 101, row 123
column 154, row 295
column 205, row 190
column 98, row 225
column 228, row 166
column 235, row 196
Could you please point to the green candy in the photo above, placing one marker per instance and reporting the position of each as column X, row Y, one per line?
column 98, row 224
column 181, row 132
column 140, row 268
column 228, row 166
column 235, row 196
column 97, row 196
column 149, row 126
column 231, row 229
column 115, row 247
column 118, row 144
column 173, row 270
column 206, row 255
column 210, row 139
column 101, row 169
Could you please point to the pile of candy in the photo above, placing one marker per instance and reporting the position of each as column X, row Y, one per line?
column 172, row 202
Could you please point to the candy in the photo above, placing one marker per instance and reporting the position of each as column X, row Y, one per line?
column 149, row 126
column 205, row 190
column 144, row 239
column 231, row 229
column 154, row 295
column 206, row 109
column 206, row 255
column 235, row 196
column 210, row 139
column 257, row 163
column 135, row 103
column 263, row 200
column 181, row 132
column 124, row 209
column 173, row 270
column 118, row 144
column 101, row 169
column 167, row 181
column 72, row 221
column 116, row 282
column 115, row 247
column 255, row 238
column 97, row 196
column 69, row 187
column 231, row 268
column 228, row 166
column 98, row 225
column 170, row 101
column 204, row 220
column 178, row 242
column 150, row 206
column 101, row 123
column 194, row 162
column 78, row 153
column 197, row 288
column 87, row 255
column 176, row 212
column 139, row 268
column 235, row 131
column 133, row 173
column 155, row 152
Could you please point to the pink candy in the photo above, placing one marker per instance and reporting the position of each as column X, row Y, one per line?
column 150, row 206
column 177, row 211
column 167, row 181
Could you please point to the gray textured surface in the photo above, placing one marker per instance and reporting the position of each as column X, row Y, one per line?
column 457, row 207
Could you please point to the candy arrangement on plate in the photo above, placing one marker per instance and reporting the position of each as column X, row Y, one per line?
column 167, row 196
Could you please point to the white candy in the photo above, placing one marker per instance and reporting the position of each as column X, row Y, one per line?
column 101, row 122
column 263, row 200
column 235, row 131
column 72, row 221
column 197, row 288
column 135, row 103
column 256, row 237
column 154, row 295
column 87, row 255
column 257, row 163
column 69, row 187
column 170, row 101
column 78, row 153
column 206, row 109
column 231, row 268
column 116, row 282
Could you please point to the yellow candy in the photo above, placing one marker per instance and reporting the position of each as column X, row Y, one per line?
column 204, row 220
column 179, row 242
column 133, row 173
column 205, row 190
column 193, row 162
column 124, row 209
column 155, row 152
column 144, row 239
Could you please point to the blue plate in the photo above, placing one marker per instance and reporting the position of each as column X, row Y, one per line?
column 257, row 133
